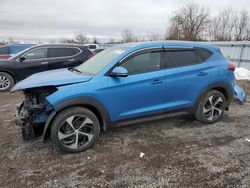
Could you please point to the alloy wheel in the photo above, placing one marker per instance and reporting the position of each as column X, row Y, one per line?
column 213, row 107
column 4, row 82
column 76, row 131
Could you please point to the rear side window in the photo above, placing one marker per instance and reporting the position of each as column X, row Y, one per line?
column 180, row 58
column 203, row 54
column 4, row 50
column 144, row 62
column 62, row 52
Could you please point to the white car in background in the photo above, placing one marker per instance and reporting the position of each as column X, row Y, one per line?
column 92, row 47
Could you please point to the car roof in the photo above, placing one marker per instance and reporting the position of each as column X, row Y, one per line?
column 141, row 45
column 60, row 45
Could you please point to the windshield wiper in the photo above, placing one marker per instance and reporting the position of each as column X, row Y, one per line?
column 75, row 70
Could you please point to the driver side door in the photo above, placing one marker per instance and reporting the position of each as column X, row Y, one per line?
column 35, row 61
column 141, row 93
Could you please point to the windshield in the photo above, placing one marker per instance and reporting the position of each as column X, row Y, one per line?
column 97, row 63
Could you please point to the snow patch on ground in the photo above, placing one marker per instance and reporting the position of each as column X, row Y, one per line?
column 242, row 74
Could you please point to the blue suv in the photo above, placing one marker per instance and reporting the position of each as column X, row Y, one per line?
column 126, row 84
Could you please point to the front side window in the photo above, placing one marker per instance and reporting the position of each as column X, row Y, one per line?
column 144, row 62
column 39, row 53
column 62, row 52
column 181, row 58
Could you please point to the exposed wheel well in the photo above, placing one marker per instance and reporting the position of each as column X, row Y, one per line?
column 98, row 115
column 223, row 91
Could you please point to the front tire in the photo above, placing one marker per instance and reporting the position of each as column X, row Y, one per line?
column 6, row 81
column 75, row 129
column 211, row 107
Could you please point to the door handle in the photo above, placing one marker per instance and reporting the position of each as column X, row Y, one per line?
column 44, row 63
column 202, row 74
column 70, row 60
column 157, row 81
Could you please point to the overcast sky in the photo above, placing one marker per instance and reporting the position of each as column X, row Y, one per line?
column 48, row 20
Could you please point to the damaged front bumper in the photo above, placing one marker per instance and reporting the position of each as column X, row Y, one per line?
column 239, row 95
column 30, row 118
column 33, row 112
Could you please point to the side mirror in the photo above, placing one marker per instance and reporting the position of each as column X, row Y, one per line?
column 21, row 59
column 119, row 72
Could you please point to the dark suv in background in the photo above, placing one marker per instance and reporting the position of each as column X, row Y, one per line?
column 40, row 58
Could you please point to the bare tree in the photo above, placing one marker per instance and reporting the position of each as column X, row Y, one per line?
column 230, row 25
column 111, row 41
column 154, row 37
column 242, row 26
column 221, row 28
column 127, row 35
column 80, row 38
column 188, row 23
column 11, row 41
column 2, row 43
column 68, row 41
column 95, row 40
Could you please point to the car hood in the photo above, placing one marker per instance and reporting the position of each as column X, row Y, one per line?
column 51, row 78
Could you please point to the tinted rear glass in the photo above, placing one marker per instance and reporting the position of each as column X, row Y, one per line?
column 179, row 58
column 204, row 54
column 62, row 52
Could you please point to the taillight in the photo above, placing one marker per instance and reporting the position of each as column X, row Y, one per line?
column 90, row 55
column 231, row 67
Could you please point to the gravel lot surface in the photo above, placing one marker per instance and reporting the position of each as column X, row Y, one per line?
column 179, row 152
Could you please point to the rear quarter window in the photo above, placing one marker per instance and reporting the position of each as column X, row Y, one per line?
column 62, row 52
column 203, row 54
column 181, row 58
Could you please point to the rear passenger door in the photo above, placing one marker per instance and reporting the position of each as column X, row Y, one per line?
column 187, row 74
column 61, row 57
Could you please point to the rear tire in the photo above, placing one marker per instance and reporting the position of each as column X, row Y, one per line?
column 6, row 81
column 211, row 107
column 75, row 129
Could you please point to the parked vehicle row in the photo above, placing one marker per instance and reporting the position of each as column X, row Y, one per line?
column 40, row 58
column 126, row 84
column 11, row 49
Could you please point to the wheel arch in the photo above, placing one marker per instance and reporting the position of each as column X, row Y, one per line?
column 10, row 73
column 87, row 102
column 223, row 87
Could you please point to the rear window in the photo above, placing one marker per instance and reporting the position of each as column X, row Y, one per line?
column 4, row 50
column 62, row 52
column 203, row 54
column 180, row 58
